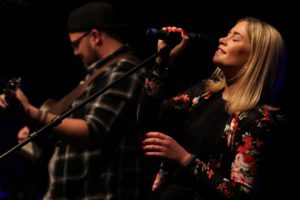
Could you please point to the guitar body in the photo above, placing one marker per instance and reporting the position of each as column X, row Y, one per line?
column 32, row 150
column 50, row 105
column 40, row 151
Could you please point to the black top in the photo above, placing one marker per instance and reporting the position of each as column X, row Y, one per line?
column 198, row 134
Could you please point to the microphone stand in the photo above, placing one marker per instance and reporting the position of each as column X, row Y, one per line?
column 56, row 121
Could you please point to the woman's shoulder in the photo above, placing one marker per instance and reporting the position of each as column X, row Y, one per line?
column 260, row 116
column 197, row 89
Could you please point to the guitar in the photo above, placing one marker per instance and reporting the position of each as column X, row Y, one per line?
column 38, row 156
column 31, row 150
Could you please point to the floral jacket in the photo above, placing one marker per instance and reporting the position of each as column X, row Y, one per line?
column 234, row 170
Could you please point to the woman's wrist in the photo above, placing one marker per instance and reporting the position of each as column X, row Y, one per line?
column 188, row 160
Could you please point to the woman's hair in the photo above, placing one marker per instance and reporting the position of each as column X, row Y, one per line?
column 261, row 78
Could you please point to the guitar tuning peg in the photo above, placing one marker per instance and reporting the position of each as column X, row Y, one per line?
column 9, row 85
column 14, row 83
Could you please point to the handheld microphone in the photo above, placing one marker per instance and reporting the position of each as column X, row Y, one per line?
column 174, row 36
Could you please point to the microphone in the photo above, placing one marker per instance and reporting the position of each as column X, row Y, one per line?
column 174, row 36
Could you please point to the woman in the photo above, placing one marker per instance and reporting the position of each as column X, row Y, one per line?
column 214, row 136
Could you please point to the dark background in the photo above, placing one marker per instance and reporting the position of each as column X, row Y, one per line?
column 34, row 45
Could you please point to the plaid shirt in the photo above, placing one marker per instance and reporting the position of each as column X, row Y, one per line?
column 108, row 169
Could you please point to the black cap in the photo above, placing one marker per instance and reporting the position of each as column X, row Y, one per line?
column 93, row 15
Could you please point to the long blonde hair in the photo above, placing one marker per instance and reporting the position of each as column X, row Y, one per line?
column 259, row 79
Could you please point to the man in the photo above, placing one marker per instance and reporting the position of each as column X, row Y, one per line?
column 95, row 153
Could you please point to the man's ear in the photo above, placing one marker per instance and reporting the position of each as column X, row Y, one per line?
column 96, row 35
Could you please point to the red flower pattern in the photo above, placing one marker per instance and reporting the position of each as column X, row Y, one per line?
column 185, row 98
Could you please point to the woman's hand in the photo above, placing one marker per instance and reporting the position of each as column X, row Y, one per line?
column 176, row 50
column 159, row 144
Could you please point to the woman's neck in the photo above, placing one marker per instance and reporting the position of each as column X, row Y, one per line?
column 228, row 90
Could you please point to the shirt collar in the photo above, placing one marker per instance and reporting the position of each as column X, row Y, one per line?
column 103, row 61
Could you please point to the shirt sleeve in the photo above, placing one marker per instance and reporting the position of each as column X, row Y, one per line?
column 102, row 113
column 153, row 109
column 249, row 149
column 151, row 99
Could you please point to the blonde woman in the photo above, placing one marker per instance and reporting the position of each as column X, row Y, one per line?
column 214, row 136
